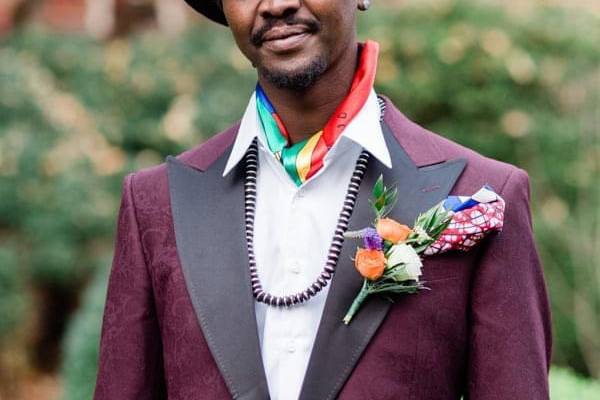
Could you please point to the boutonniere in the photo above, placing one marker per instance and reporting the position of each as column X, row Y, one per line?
column 390, row 259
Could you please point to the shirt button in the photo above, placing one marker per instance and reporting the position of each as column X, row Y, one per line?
column 295, row 269
column 291, row 348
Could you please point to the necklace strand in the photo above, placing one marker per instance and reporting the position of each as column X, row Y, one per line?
column 251, row 162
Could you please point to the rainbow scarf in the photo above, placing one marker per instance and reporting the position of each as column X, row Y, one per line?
column 303, row 159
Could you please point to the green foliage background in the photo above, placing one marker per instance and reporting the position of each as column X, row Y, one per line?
column 76, row 115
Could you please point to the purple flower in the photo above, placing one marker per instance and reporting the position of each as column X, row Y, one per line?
column 372, row 240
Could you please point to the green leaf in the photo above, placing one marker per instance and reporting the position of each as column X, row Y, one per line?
column 378, row 187
column 380, row 203
column 391, row 196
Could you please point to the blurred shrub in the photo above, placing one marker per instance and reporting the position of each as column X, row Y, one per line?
column 76, row 115
column 566, row 385
column 54, row 206
column 12, row 294
column 81, row 342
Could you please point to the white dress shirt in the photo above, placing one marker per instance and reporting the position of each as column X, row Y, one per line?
column 292, row 234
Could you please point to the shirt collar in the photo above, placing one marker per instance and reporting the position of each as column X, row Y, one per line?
column 364, row 129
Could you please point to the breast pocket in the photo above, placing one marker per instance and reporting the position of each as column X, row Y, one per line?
column 448, row 265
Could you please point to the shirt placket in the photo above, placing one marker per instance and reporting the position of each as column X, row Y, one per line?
column 285, row 325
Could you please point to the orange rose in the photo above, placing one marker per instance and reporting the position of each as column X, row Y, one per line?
column 392, row 230
column 370, row 263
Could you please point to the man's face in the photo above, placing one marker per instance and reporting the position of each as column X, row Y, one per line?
column 292, row 42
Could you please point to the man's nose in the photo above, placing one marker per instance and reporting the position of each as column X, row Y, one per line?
column 278, row 8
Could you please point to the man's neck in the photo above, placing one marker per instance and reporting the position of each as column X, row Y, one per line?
column 306, row 112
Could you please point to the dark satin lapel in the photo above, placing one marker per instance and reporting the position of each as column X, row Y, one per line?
column 208, row 216
column 338, row 347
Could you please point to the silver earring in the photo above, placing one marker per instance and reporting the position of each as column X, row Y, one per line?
column 364, row 5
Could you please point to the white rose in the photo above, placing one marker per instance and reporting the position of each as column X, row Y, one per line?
column 405, row 261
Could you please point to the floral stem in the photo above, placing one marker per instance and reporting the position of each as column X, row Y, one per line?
column 355, row 234
column 362, row 295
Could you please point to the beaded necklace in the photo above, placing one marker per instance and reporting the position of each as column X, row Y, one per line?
column 251, row 163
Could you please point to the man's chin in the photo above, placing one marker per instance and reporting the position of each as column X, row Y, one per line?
column 297, row 79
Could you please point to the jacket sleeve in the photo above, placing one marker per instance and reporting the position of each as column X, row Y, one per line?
column 130, row 357
column 510, row 330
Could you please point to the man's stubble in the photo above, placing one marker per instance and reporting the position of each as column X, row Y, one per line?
column 297, row 80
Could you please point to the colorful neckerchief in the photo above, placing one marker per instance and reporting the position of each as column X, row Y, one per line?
column 303, row 159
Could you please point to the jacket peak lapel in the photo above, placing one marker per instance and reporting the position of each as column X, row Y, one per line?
column 338, row 347
column 213, row 257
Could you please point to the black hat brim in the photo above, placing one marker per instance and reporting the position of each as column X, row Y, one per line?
column 209, row 9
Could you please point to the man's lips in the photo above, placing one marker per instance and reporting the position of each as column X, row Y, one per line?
column 283, row 32
column 286, row 38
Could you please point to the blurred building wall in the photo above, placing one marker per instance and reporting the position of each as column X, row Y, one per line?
column 106, row 18
column 100, row 18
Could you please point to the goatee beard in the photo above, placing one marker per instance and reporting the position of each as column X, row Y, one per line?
column 297, row 80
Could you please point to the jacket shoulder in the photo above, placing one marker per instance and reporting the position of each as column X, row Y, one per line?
column 200, row 157
column 426, row 147
column 480, row 169
column 151, row 184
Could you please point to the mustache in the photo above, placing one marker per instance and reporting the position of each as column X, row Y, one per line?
column 256, row 38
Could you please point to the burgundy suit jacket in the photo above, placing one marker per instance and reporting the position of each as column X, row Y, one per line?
column 179, row 319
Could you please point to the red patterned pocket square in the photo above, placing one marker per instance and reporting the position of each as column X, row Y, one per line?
column 473, row 218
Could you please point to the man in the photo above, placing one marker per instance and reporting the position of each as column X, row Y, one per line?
column 226, row 282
